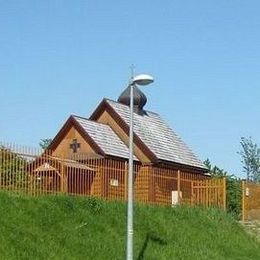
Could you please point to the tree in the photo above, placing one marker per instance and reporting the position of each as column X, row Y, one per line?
column 44, row 143
column 250, row 159
column 215, row 171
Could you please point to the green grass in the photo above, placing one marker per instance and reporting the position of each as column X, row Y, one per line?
column 63, row 227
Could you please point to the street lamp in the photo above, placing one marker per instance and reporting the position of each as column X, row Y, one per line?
column 141, row 80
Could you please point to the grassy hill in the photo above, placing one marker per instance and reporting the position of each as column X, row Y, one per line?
column 64, row 227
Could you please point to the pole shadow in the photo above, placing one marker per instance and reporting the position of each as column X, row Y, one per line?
column 150, row 237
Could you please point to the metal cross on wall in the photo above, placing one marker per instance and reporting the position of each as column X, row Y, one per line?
column 75, row 145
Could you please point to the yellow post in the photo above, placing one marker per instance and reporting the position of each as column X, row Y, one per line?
column 178, row 185
column 243, row 201
column 62, row 178
column 207, row 193
column 224, row 194
column 192, row 195
column 65, row 180
column 126, row 178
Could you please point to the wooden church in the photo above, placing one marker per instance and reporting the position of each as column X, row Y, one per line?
column 95, row 154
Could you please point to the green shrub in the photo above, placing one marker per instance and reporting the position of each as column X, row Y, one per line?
column 234, row 196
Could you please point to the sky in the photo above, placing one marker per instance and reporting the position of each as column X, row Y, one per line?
column 62, row 57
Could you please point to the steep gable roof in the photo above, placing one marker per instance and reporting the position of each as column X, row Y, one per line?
column 100, row 137
column 156, row 135
column 104, row 137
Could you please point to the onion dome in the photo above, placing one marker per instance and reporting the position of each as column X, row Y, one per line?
column 139, row 97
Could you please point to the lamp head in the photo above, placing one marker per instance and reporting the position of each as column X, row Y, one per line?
column 142, row 79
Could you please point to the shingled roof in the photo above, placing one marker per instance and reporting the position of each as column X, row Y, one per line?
column 104, row 137
column 161, row 140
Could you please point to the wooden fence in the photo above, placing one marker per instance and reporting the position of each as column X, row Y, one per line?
column 38, row 172
column 250, row 201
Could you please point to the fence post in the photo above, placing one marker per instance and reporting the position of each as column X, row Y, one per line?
column 151, row 185
column 207, row 193
column 178, row 185
column 243, row 201
column 62, row 178
column 224, row 194
column 126, row 178
column 192, row 195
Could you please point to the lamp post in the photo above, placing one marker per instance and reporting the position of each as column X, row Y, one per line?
column 141, row 80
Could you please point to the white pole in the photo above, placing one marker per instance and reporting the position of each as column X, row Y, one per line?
column 130, row 230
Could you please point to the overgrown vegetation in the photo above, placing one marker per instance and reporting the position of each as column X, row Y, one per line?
column 250, row 158
column 44, row 143
column 234, row 189
column 12, row 168
column 63, row 227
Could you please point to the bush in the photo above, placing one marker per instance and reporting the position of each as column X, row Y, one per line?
column 233, row 188
column 234, row 196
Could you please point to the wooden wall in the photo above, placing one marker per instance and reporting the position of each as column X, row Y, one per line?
column 63, row 149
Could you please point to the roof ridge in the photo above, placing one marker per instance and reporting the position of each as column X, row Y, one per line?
column 79, row 116
column 89, row 120
column 108, row 99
